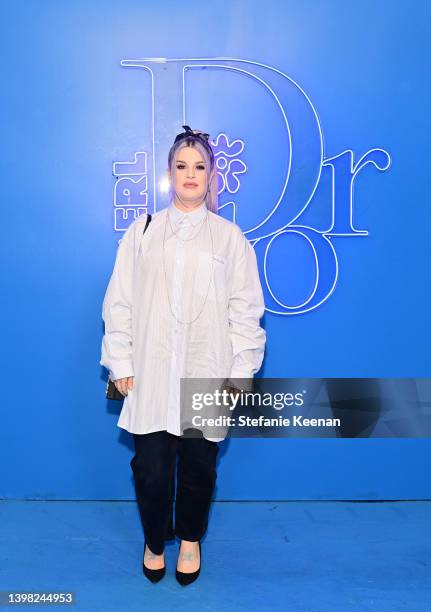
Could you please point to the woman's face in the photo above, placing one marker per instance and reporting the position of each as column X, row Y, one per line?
column 190, row 175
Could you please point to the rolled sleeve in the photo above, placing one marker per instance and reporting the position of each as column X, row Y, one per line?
column 246, row 307
column 117, row 344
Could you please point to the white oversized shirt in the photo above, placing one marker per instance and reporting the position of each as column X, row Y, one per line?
column 144, row 340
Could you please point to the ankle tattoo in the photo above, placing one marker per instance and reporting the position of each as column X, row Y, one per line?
column 152, row 555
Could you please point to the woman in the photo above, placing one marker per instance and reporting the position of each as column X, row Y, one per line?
column 184, row 300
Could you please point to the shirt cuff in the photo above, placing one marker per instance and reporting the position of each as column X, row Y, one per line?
column 241, row 379
column 121, row 369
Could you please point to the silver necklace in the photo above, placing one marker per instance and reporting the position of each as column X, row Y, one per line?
column 211, row 273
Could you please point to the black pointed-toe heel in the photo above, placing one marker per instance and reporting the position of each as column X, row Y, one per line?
column 185, row 578
column 154, row 575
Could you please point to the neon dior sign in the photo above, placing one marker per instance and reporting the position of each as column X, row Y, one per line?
column 135, row 191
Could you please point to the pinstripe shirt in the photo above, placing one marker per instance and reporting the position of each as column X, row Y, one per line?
column 158, row 326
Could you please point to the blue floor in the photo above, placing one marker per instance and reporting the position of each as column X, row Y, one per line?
column 290, row 556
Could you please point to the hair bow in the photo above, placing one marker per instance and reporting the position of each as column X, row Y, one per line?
column 189, row 132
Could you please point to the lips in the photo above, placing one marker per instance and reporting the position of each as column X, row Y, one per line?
column 190, row 184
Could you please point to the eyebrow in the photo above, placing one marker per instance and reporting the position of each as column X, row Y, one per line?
column 183, row 162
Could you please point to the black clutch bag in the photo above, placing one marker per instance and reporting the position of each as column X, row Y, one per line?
column 112, row 392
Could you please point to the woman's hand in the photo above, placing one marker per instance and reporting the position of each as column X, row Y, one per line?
column 124, row 384
column 231, row 390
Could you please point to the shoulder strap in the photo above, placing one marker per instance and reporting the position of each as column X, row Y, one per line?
column 139, row 241
column 147, row 223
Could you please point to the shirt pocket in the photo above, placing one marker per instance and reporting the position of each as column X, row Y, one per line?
column 216, row 265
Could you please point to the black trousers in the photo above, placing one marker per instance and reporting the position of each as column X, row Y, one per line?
column 154, row 473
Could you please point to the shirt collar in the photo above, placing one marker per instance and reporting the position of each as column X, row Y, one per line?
column 178, row 216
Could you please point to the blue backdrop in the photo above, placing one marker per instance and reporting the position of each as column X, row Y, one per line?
column 354, row 86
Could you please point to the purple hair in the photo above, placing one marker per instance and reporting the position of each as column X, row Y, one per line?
column 207, row 153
